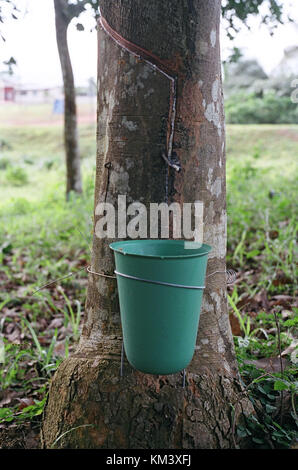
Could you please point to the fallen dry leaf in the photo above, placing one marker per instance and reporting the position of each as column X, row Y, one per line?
column 59, row 349
column 283, row 297
column 8, row 397
column 281, row 279
column 235, row 325
column 56, row 323
column 15, row 336
column 290, row 348
column 262, row 298
column 273, row 234
column 269, row 364
column 32, row 440
column 286, row 314
column 246, row 301
column 24, row 402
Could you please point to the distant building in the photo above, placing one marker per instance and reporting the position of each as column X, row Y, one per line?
column 243, row 75
column 36, row 94
column 7, row 89
column 13, row 90
column 288, row 66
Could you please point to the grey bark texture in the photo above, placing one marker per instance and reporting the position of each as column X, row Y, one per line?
column 73, row 165
column 139, row 410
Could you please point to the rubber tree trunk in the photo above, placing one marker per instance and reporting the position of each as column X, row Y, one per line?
column 134, row 98
column 73, row 166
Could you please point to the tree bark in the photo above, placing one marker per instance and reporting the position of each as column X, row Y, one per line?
column 73, row 166
column 134, row 98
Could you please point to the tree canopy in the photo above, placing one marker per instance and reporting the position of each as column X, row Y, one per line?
column 232, row 10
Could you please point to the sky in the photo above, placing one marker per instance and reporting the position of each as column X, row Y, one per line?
column 31, row 41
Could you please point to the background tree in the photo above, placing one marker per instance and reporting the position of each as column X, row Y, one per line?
column 64, row 13
column 8, row 10
column 141, row 410
column 10, row 64
column 237, row 12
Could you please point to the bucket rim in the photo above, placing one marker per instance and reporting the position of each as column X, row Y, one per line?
column 119, row 246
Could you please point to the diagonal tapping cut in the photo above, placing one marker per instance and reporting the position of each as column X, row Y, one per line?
column 156, row 64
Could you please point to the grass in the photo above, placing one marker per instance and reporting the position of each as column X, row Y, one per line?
column 44, row 238
column 262, row 229
column 262, row 207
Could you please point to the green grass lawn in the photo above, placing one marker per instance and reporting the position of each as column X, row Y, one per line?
column 43, row 238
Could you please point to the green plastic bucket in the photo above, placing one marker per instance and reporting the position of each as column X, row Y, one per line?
column 160, row 286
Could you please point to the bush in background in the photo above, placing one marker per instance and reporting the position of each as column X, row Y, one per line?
column 253, row 97
column 243, row 108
